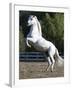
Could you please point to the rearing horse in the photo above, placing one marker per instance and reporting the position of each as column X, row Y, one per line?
column 35, row 38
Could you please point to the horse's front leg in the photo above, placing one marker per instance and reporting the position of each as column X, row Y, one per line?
column 31, row 40
column 27, row 42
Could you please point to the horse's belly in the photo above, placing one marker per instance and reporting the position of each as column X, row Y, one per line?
column 40, row 48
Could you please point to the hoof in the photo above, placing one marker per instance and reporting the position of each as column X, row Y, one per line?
column 51, row 70
column 47, row 69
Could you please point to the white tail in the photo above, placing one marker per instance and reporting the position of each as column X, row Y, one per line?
column 59, row 59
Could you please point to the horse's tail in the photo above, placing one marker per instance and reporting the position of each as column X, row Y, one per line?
column 58, row 58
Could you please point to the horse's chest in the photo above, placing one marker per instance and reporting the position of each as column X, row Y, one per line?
column 34, row 31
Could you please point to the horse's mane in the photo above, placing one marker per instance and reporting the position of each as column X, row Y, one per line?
column 39, row 26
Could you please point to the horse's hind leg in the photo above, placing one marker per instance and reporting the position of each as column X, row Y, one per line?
column 49, row 63
column 53, row 62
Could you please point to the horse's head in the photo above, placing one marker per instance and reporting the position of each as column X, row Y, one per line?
column 32, row 20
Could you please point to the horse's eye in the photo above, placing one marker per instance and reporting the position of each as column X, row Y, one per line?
column 31, row 19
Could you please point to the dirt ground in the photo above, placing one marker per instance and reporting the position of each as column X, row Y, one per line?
column 28, row 70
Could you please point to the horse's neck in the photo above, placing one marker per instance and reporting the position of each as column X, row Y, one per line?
column 34, row 30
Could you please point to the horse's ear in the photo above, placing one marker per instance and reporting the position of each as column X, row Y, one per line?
column 34, row 16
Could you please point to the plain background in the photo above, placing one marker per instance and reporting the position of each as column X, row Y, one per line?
column 4, row 43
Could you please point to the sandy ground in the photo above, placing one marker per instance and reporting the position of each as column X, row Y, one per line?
column 29, row 70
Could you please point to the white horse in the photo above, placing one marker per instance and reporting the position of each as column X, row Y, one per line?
column 35, row 38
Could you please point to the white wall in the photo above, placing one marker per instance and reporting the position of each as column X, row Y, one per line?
column 4, row 40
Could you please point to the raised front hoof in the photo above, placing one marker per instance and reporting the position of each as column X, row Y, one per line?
column 29, row 46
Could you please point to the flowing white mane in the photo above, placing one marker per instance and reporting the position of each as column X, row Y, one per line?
column 39, row 27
